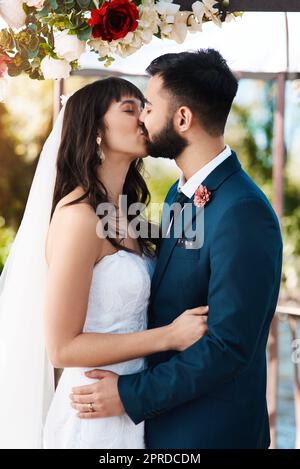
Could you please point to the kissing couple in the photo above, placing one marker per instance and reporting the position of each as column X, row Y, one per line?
column 162, row 341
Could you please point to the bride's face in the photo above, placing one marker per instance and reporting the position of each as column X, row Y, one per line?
column 123, row 133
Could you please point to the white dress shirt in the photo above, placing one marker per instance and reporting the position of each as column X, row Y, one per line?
column 189, row 187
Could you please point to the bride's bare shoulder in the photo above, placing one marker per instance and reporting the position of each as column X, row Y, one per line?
column 78, row 209
column 71, row 197
column 76, row 222
column 79, row 212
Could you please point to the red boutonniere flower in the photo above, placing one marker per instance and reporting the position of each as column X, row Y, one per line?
column 114, row 19
column 202, row 196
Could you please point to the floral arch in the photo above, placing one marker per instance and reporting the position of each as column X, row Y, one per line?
column 45, row 38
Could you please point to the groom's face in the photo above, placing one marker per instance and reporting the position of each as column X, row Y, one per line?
column 158, row 119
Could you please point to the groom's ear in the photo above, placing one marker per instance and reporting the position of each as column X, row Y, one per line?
column 183, row 119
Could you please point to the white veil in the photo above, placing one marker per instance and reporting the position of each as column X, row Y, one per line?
column 26, row 375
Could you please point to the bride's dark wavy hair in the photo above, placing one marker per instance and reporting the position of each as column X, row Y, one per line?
column 78, row 160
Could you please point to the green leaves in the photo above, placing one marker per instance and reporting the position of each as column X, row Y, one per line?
column 84, row 33
column 107, row 60
column 7, row 41
column 86, row 4
column 20, row 64
column 53, row 4
column 28, row 46
column 58, row 20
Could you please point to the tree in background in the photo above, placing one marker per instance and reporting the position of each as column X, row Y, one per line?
column 15, row 176
column 250, row 133
column 6, row 239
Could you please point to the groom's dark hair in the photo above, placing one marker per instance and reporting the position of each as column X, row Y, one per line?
column 200, row 80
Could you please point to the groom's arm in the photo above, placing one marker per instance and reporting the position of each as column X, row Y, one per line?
column 245, row 269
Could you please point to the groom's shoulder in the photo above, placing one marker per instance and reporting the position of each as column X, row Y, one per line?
column 246, row 187
column 241, row 191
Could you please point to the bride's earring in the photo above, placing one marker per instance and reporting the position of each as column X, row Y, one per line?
column 99, row 149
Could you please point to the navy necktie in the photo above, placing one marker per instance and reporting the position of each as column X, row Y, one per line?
column 181, row 198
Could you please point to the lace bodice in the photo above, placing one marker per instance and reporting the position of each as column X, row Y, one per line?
column 119, row 297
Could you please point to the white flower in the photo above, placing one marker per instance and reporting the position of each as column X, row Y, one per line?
column 198, row 10
column 167, row 8
column 194, row 25
column 103, row 48
column 206, row 8
column 179, row 32
column 180, row 28
column 148, row 26
column 172, row 22
column 146, row 35
column 68, row 46
column 54, row 69
column 167, row 12
column 13, row 13
column 38, row 4
column 124, row 50
column 174, row 27
column 128, row 39
column 149, row 20
column 209, row 8
column 230, row 17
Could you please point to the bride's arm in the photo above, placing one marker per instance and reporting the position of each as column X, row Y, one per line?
column 74, row 249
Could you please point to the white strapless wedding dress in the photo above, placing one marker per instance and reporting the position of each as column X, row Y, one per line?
column 118, row 303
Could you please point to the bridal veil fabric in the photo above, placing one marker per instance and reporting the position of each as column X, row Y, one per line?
column 26, row 375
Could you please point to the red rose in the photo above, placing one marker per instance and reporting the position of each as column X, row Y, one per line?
column 114, row 19
column 4, row 60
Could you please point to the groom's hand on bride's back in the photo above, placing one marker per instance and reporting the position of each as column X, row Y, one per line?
column 189, row 327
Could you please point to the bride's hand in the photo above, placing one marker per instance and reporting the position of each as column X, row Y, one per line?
column 189, row 327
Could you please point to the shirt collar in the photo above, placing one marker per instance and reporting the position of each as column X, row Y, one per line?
column 189, row 187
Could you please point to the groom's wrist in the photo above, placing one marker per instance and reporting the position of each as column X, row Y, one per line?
column 132, row 406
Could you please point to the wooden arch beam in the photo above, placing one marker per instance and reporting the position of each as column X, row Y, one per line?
column 251, row 5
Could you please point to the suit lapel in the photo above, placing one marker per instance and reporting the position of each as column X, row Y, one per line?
column 230, row 166
column 166, row 243
column 214, row 180
column 222, row 172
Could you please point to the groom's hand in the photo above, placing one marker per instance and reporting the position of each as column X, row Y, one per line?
column 99, row 399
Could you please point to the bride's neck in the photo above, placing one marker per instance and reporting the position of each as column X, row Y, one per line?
column 113, row 174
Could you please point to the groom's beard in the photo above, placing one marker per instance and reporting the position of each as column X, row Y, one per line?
column 167, row 143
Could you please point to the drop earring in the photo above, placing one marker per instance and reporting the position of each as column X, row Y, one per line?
column 99, row 150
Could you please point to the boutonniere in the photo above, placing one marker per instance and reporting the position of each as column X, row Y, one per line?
column 202, row 196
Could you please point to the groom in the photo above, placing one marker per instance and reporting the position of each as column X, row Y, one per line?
column 213, row 394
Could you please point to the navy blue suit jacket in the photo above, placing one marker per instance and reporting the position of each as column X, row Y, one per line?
column 213, row 394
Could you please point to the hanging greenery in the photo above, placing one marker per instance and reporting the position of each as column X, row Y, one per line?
column 45, row 38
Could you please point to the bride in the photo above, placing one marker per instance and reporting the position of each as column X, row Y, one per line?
column 80, row 297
